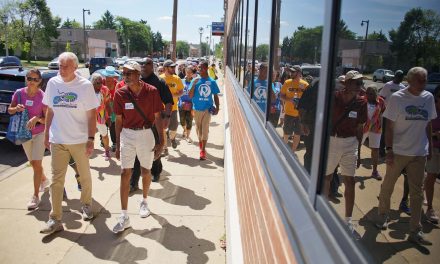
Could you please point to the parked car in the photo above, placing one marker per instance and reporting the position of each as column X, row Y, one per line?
column 121, row 61
column 383, row 75
column 10, row 80
column 433, row 81
column 311, row 70
column 6, row 61
column 97, row 63
column 54, row 64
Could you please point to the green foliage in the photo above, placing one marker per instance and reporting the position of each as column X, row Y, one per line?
column 417, row 39
column 344, row 32
column 158, row 43
column 139, row 35
column 262, row 52
column 26, row 47
column 377, row 36
column 182, row 47
column 107, row 21
column 71, row 24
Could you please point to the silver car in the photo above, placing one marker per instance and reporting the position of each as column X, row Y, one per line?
column 383, row 75
column 54, row 64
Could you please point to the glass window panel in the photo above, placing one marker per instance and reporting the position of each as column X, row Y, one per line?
column 378, row 42
column 249, row 72
column 296, row 70
column 262, row 55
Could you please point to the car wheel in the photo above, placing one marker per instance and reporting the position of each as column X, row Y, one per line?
column 374, row 79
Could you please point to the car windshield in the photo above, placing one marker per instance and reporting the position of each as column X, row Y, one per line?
column 389, row 72
column 435, row 77
column 11, row 83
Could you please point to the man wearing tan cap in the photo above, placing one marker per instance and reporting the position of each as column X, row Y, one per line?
column 137, row 106
column 349, row 114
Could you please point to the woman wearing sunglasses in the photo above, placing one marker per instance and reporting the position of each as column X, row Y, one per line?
column 31, row 98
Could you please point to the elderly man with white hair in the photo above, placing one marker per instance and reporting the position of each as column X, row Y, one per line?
column 70, row 132
column 408, row 143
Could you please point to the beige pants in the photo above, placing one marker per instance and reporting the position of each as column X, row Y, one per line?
column 415, row 166
column 60, row 159
column 202, row 120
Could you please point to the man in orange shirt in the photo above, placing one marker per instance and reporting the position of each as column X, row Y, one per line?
column 291, row 92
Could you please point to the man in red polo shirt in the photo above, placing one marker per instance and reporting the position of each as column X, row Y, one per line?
column 134, row 136
column 348, row 117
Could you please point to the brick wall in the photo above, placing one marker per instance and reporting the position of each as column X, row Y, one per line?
column 263, row 235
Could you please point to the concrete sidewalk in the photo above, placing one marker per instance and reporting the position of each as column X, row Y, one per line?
column 187, row 208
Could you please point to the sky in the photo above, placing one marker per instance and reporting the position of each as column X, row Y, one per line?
column 191, row 14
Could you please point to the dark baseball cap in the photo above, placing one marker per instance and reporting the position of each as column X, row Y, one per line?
column 169, row 63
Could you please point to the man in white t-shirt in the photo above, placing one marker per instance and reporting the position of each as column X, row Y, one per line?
column 70, row 131
column 408, row 139
column 392, row 86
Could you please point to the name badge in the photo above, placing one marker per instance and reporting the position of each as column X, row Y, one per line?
column 353, row 114
column 129, row 106
column 29, row 103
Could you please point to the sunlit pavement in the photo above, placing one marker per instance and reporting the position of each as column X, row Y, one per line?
column 186, row 224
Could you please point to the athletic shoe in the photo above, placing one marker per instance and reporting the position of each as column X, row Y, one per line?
column 202, row 155
column 87, row 213
column 174, row 143
column 164, row 152
column 113, row 148
column 143, row 210
column 404, row 207
column 133, row 188
column 44, row 185
column 418, row 238
column 123, row 223
column 189, row 140
column 432, row 216
column 107, row 155
column 33, row 203
column 52, row 226
column 156, row 177
column 352, row 229
column 382, row 222
column 376, row 175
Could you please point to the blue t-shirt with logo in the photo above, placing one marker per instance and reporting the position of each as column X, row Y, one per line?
column 260, row 93
column 185, row 95
column 203, row 94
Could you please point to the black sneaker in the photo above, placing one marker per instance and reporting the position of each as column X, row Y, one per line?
column 113, row 148
column 419, row 238
column 133, row 188
column 156, row 178
column 174, row 143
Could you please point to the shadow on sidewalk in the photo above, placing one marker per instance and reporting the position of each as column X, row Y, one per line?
column 112, row 169
column 382, row 246
column 178, row 238
column 177, row 195
column 190, row 161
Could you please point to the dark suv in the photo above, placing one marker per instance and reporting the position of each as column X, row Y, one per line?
column 100, row 63
column 12, row 79
column 9, row 61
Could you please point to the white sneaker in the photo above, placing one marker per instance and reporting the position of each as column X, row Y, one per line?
column 123, row 223
column 44, row 185
column 352, row 229
column 143, row 210
column 33, row 203
column 189, row 140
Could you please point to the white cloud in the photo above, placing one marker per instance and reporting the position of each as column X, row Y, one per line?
column 284, row 23
column 165, row 18
column 202, row 16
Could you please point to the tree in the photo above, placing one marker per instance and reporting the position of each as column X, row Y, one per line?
column 107, row 21
column 306, row 44
column 158, row 43
column 417, row 39
column 262, row 52
column 182, row 47
column 35, row 23
column 71, row 24
column 138, row 34
column 377, row 36
column 344, row 32
column 68, row 48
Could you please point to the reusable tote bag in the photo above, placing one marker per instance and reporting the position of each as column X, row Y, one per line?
column 17, row 131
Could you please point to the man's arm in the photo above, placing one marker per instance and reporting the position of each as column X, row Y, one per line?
column 49, row 117
column 193, row 85
column 389, row 133
column 159, row 127
column 217, row 103
column 429, row 135
column 118, row 129
column 91, row 121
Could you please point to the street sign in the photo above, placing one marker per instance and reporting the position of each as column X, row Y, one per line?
column 218, row 28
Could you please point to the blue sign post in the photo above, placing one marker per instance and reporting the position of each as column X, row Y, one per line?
column 218, row 28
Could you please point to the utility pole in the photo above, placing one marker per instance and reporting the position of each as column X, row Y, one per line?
column 210, row 35
column 173, row 41
column 84, row 29
column 5, row 21
column 364, row 55
column 201, row 33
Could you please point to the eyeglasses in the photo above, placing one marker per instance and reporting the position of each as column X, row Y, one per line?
column 31, row 79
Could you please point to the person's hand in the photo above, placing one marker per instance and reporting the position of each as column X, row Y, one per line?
column 389, row 158
column 89, row 148
column 32, row 123
column 19, row 108
column 157, row 150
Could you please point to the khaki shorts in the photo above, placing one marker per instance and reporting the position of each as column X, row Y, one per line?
column 342, row 151
column 433, row 165
column 373, row 139
column 102, row 129
column 202, row 120
column 35, row 148
column 138, row 143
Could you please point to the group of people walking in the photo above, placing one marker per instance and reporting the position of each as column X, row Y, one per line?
column 141, row 111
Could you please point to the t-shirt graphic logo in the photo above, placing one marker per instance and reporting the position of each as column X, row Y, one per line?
column 65, row 100
column 416, row 113
column 204, row 90
column 260, row 93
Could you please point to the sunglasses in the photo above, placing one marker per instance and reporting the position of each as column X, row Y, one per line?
column 31, row 79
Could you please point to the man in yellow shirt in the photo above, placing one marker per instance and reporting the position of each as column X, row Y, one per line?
column 212, row 72
column 176, row 88
column 291, row 92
